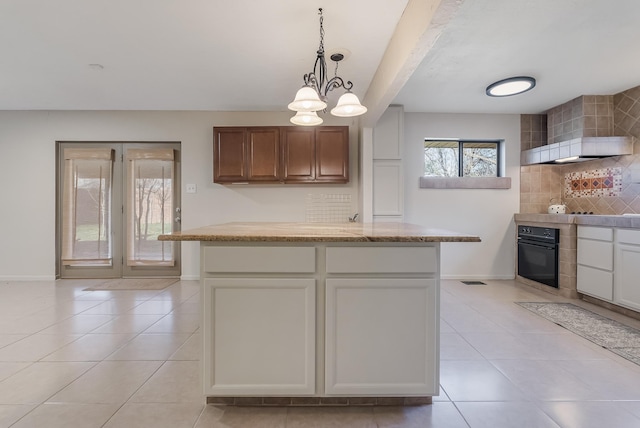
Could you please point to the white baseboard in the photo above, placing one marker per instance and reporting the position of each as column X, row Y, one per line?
column 478, row 277
column 197, row 277
column 21, row 278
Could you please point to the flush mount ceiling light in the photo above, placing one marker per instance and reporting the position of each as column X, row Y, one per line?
column 511, row 86
column 312, row 97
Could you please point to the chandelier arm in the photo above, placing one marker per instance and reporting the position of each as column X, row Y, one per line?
column 312, row 81
column 320, row 70
column 337, row 82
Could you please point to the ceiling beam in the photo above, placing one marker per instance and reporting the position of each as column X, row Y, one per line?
column 417, row 31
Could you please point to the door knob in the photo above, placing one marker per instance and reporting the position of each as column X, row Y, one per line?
column 178, row 220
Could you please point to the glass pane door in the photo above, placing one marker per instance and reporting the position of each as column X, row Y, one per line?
column 150, row 212
column 151, row 208
column 86, row 195
column 114, row 199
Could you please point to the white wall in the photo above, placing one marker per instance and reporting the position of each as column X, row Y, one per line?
column 27, row 177
column 484, row 212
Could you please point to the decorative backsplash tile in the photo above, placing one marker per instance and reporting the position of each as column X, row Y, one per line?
column 537, row 186
column 328, row 208
column 595, row 183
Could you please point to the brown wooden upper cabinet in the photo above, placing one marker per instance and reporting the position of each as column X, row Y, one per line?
column 281, row 154
column 246, row 154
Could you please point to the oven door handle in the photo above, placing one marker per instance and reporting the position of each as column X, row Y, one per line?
column 531, row 244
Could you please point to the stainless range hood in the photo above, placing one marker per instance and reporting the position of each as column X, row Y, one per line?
column 577, row 150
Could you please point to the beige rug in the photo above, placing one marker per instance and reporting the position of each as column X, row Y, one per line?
column 134, row 284
column 610, row 334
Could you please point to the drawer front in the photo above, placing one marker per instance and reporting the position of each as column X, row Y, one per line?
column 596, row 254
column 597, row 283
column 599, row 233
column 628, row 236
column 382, row 260
column 230, row 259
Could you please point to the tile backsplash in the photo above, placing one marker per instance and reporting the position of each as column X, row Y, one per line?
column 540, row 184
column 617, row 187
column 595, row 183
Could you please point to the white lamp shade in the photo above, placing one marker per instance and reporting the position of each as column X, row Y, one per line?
column 307, row 99
column 348, row 105
column 306, row 118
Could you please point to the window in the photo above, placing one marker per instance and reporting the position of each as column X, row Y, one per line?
column 86, row 232
column 461, row 158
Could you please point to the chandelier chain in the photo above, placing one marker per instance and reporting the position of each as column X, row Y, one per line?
column 318, row 77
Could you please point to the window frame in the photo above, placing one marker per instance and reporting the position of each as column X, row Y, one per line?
column 461, row 143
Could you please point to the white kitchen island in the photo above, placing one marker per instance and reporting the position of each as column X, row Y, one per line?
column 306, row 313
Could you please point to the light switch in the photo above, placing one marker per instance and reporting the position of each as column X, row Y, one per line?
column 191, row 188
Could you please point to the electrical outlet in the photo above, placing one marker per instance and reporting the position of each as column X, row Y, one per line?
column 191, row 188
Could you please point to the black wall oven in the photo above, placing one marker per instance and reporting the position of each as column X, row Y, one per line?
column 538, row 254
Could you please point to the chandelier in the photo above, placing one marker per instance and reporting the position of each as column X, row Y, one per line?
column 312, row 97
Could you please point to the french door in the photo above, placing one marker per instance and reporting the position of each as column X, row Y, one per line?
column 113, row 200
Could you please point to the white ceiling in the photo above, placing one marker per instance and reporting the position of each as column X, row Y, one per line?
column 572, row 48
column 250, row 55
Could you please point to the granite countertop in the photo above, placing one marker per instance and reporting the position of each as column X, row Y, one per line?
column 623, row 221
column 318, row 232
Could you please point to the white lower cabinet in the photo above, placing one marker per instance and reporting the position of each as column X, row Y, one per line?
column 280, row 319
column 627, row 273
column 381, row 336
column 609, row 264
column 259, row 336
column 595, row 262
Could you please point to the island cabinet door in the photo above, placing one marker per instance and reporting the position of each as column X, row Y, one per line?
column 259, row 336
column 381, row 336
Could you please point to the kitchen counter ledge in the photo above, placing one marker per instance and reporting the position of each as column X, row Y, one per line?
column 623, row 221
column 318, row 232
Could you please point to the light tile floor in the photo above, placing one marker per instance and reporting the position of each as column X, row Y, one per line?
column 75, row 358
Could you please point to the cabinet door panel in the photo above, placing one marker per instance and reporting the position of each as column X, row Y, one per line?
column 380, row 335
column 259, row 336
column 299, row 155
column 229, row 155
column 264, row 154
column 332, row 154
column 627, row 291
column 388, row 193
